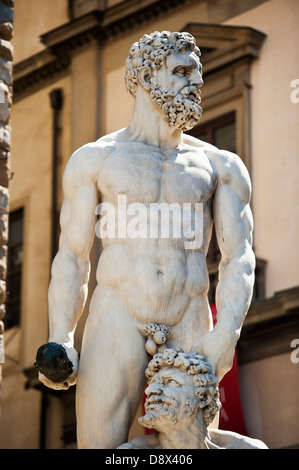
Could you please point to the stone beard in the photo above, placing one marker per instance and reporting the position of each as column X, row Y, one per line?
column 166, row 413
column 181, row 109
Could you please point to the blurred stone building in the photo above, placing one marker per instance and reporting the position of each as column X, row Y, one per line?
column 6, row 55
column 68, row 90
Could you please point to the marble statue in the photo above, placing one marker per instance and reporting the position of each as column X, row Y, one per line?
column 152, row 283
column 182, row 400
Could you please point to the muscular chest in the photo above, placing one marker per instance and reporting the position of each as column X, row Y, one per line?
column 146, row 175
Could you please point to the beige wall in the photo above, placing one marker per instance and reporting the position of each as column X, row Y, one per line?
column 19, row 423
column 33, row 18
column 269, row 391
column 86, row 102
column 274, row 140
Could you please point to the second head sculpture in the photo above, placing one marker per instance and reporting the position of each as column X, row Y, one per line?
column 182, row 401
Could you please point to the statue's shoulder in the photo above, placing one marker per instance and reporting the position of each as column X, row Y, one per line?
column 225, row 162
column 99, row 149
column 114, row 138
column 232, row 440
column 86, row 162
column 229, row 168
column 150, row 441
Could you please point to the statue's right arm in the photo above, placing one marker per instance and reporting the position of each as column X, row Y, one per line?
column 71, row 267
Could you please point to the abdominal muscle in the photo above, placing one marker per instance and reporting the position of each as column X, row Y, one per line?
column 154, row 279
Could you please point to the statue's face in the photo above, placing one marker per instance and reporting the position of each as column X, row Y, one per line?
column 176, row 89
column 169, row 394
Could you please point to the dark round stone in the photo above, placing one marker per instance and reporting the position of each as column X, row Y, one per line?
column 52, row 361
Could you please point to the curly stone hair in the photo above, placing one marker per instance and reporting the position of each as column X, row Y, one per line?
column 151, row 51
column 206, row 384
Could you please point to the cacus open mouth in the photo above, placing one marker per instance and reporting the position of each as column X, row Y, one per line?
column 153, row 400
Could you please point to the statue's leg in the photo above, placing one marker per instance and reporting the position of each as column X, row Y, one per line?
column 111, row 375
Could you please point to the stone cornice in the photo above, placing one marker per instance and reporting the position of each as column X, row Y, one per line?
column 34, row 72
column 74, row 34
column 225, row 44
column 60, row 43
column 270, row 326
column 281, row 304
column 109, row 24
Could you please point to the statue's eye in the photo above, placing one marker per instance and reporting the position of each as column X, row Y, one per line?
column 181, row 71
column 173, row 382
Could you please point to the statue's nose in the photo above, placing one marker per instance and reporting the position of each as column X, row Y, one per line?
column 154, row 389
column 196, row 80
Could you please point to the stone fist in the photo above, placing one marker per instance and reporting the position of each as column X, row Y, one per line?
column 57, row 365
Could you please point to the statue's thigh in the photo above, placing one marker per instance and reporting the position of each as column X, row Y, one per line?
column 112, row 367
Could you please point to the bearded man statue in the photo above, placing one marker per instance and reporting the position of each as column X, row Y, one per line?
column 182, row 400
column 151, row 291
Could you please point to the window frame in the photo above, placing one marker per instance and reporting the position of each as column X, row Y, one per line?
column 211, row 126
column 20, row 211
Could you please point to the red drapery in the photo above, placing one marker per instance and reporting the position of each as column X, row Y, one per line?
column 231, row 414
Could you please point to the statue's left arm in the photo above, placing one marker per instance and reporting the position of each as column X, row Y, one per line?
column 233, row 225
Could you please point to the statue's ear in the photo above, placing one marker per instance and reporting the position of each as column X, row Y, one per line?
column 145, row 75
